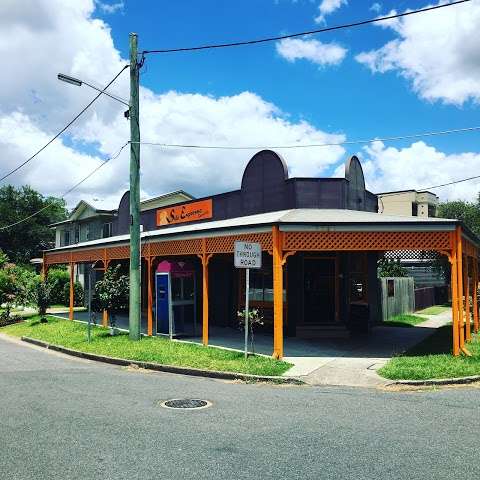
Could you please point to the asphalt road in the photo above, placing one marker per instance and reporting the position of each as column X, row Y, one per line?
column 73, row 419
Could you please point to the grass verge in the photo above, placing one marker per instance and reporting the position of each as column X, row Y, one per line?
column 432, row 358
column 434, row 310
column 404, row 320
column 148, row 349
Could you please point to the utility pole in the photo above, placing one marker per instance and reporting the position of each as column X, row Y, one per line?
column 134, row 318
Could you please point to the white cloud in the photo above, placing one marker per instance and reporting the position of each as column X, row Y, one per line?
column 317, row 52
column 420, row 166
column 436, row 51
column 327, row 7
column 34, row 105
column 111, row 8
column 376, row 7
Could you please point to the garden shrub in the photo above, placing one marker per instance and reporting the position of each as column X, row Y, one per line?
column 78, row 295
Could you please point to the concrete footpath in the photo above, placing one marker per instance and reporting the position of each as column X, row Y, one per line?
column 357, row 367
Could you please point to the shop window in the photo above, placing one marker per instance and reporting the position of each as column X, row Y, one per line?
column 358, row 278
column 261, row 286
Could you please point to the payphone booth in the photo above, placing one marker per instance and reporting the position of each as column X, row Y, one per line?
column 175, row 299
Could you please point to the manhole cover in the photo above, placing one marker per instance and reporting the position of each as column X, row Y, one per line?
column 186, row 403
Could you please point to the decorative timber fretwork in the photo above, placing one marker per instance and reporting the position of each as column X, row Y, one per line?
column 428, row 242
column 226, row 244
column 335, row 241
column 191, row 246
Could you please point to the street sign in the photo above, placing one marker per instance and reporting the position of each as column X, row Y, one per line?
column 247, row 255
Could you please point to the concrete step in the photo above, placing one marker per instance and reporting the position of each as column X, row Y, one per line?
column 323, row 331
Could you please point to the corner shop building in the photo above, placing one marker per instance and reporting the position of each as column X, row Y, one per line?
column 321, row 239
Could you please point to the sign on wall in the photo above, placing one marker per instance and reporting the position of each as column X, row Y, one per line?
column 248, row 255
column 188, row 212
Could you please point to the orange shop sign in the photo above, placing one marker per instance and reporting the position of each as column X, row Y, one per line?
column 188, row 212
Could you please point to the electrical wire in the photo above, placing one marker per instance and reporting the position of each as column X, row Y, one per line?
column 71, row 189
column 300, row 34
column 432, row 187
column 65, row 127
column 314, row 145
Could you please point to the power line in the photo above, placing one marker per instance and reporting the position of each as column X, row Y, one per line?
column 313, row 145
column 432, row 187
column 65, row 127
column 300, row 34
column 96, row 169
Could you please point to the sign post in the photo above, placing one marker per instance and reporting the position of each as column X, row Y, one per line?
column 247, row 255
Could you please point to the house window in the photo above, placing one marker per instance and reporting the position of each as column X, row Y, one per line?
column 66, row 237
column 414, row 209
column 87, row 232
column 107, row 230
column 77, row 233
column 432, row 211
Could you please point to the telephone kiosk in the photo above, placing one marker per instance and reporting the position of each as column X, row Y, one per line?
column 175, row 299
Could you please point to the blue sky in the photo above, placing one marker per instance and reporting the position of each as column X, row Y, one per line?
column 346, row 99
column 421, row 73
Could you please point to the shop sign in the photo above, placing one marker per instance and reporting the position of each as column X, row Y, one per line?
column 248, row 255
column 187, row 212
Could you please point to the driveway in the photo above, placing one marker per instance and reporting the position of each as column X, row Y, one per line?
column 65, row 418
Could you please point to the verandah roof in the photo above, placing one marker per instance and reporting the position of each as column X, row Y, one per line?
column 305, row 219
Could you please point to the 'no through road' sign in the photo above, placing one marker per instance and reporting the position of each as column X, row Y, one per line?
column 248, row 255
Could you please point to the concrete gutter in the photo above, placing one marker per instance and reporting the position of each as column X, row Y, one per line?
column 436, row 381
column 197, row 372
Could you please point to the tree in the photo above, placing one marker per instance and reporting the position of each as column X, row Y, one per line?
column 42, row 297
column 8, row 288
column 391, row 268
column 467, row 212
column 112, row 293
column 27, row 240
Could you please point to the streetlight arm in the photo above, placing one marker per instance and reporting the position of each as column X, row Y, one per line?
column 75, row 81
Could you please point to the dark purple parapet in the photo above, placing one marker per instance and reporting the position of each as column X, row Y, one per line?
column 265, row 187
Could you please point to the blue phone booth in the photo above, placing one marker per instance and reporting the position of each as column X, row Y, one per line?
column 175, row 299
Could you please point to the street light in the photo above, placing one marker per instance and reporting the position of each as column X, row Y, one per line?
column 135, row 311
column 78, row 83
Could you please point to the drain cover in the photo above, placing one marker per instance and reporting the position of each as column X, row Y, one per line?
column 186, row 403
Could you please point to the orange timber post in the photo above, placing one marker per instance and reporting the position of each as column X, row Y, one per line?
column 72, row 299
column 150, row 297
column 474, row 293
column 44, row 269
column 468, row 333
column 205, row 259
column 277, row 293
column 454, row 287
column 105, row 267
column 461, row 323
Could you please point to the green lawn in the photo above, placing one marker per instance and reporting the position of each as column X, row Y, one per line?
column 404, row 320
column 435, row 310
column 432, row 358
column 148, row 349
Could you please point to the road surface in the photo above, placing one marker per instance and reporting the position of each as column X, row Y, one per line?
column 68, row 418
